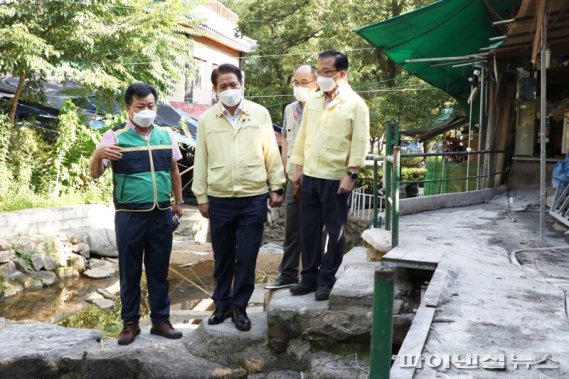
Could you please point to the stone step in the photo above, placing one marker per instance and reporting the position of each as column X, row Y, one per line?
column 226, row 345
column 290, row 317
column 354, row 287
column 358, row 254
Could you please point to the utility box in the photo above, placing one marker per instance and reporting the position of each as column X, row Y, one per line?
column 525, row 128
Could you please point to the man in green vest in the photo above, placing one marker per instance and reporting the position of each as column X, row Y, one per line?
column 145, row 176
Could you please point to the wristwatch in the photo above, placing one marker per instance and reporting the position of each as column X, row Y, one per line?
column 179, row 202
column 279, row 192
column 352, row 175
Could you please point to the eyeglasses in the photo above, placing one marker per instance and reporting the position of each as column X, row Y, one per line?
column 301, row 84
column 327, row 74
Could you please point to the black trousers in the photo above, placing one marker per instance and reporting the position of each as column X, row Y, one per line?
column 321, row 207
column 144, row 237
column 291, row 246
column 236, row 225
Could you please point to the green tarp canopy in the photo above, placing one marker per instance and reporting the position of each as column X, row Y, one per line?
column 446, row 28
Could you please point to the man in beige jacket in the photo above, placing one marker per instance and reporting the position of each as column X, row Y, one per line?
column 329, row 151
column 237, row 168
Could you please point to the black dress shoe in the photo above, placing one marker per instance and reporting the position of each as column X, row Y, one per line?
column 282, row 282
column 242, row 322
column 219, row 316
column 302, row 289
column 322, row 293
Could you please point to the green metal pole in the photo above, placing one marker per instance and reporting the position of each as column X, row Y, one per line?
column 395, row 196
column 382, row 325
column 375, row 211
column 387, row 175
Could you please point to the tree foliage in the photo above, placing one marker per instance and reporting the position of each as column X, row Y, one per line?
column 102, row 45
column 291, row 32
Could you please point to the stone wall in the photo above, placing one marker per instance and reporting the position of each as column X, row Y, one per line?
column 52, row 220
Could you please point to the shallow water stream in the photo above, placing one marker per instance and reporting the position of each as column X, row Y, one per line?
column 65, row 298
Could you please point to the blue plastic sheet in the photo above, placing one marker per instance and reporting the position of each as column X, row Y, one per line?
column 560, row 174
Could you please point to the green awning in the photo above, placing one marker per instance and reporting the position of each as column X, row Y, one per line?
column 446, row 28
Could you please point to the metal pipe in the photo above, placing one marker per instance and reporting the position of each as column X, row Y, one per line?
column 387, row 174
column 543, row 110
column 502, row 22
column 442, row 59
column 395, row 195
column 375, row 193
column 480, row 123
column 469, row 139
column 453, row 153
column 382, row 324
column 499, row 38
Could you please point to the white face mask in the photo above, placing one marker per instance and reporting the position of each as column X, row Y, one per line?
column 230, row 97
column 301, row 93
column 144, row 118
column 326, row 83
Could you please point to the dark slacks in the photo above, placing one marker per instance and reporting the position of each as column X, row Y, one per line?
column 321, row 207
column 291, row 246
column 236, row 225
column 144, row 237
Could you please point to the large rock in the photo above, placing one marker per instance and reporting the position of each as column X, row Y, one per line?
column 378, row 238
column 82, row 248
column 7, row 255
column 11, row 288
column 228, row 346
column 77, row 262
column 47, row 278
column 101, row 302
column 8, row 271
column 32, row 282
column 103, row 242
column 32, row 349
column 101, row 272
column 5, row 244
column 43, row 261
column 22, row 265
column 35, row 350
column 303, row 317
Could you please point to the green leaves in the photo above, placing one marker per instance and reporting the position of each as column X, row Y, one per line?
column 292, row 32
column 102, row 45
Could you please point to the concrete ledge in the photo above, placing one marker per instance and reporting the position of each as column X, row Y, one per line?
column 449, row 200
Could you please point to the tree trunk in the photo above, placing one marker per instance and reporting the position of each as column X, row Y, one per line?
column 16, row 98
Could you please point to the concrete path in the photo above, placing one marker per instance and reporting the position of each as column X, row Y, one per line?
column 483, row 316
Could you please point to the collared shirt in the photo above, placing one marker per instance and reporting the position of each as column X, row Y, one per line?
column 109, row 139
column 329, row 101
column 295, row 110
column 233, row 118
column 334, row 137
column 236, row 161
column 291, row 124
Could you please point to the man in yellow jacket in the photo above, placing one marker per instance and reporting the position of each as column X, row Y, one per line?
column 329, row 151
column 237, row 167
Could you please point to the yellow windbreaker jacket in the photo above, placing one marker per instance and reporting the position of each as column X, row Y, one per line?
column 236, row 162
column 334, row 138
